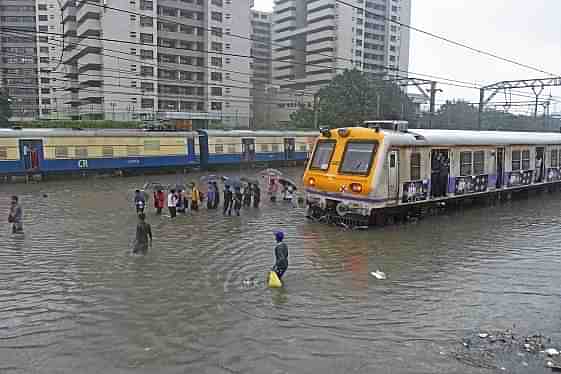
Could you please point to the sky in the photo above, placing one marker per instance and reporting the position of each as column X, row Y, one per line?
column 528, row 32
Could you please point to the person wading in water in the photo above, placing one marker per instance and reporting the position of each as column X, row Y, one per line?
column 15, row 216
column 281, row 255
column 143, row 236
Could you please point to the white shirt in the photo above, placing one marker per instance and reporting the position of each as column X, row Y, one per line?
column 172, row 200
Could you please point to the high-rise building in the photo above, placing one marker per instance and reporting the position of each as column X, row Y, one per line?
column 132, row 59
column 315, row 40
column 261, row 65
column 18, row 57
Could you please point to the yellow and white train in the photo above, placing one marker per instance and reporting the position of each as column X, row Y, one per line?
column 367, row 173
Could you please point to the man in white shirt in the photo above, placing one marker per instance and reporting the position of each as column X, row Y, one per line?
column 172, row 203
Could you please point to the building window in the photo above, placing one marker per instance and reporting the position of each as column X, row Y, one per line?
column 478, row 162
column 216, row 2
column 216, row 105
column 61, row 152
column 147, row 71
column 147, row 86
column 147, row 103
column 107, row 151
column 216, row 91
column 146, row 38
column 526, row 160
column 216, row 16
column 415, row 166
column 215, row 46
column 146, row 21
column 465, row 163
column 216, row 61
column 515, row 160
column 554, row 158
column 216, row 76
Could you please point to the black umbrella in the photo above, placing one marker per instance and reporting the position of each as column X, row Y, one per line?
column 232, row 182
column 286, row 181
column 210, row 178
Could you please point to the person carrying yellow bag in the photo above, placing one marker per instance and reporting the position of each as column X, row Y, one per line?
column 281, row 263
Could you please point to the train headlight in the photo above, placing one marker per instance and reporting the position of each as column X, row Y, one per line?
column 312, row 182
column 356, row 187
column 343, row 133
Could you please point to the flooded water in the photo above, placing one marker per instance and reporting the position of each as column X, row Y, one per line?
column 73, row 299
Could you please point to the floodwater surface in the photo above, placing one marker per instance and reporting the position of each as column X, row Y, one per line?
column 74, row 300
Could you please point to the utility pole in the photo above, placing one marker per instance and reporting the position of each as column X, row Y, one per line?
column 378, row 106
column 481, row 100
column 316, row 110
column 432, row 103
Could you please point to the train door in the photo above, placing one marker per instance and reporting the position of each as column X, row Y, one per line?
column 31, row 153
column 500, row 160
column 248, row 149
column 540, row 164
column 440, row 170
column 393, row 175
column 289, row 148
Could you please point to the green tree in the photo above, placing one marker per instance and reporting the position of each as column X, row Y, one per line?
column 5, row 110
column 456, row 115
column 354, row 97
column 302, row 119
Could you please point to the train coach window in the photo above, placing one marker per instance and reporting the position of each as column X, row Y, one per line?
column 151, row 145
column 554, row 159
column 358, row 157
column 81, row 152
column 107, row 151
column 264, row 147
column 465, row 164
column 478, row 162
column 415, row 166
column 322, row 155
column 231, row 148
column 3, row 153
column 303, row 148
column 275, row 147
column 526, row 160
column 133, row 150
column 515, row 160
column 61, row 152
column 218, row 148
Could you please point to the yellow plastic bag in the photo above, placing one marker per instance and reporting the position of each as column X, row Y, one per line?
column 274, row 281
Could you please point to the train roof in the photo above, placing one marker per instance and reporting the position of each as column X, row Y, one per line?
column 426, row 137
column 42, row 132
column 259, row 133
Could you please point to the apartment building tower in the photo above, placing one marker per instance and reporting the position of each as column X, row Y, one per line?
column 261, row 65
column 132, row 59
column 315, row 40
column 18, row 57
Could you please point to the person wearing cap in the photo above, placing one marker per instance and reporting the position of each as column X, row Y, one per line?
column 281, row 255
column 143, row 235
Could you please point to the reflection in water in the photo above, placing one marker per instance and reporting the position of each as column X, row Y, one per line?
column 75, row 300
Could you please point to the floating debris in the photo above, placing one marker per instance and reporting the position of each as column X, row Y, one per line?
column 378, row 274
column 551, row 352
column 483, row 335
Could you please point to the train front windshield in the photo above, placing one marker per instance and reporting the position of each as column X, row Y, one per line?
column 358, row 158
column 322, row 155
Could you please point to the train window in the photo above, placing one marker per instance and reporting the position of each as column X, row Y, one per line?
column 478, row 162
column 218, row 148
column 358, row 157
column 303, row 148
column 151, row 145
column 61, row 152
column 231, row 148
column 107, row 151
column 3, row 153
column 526, row 160
column 81, row 152
column 415, row 166
column 133, row 150
column 554, row 158
column 275, row 147
column 322, row 155
column 515, row 160
column 264, row 147
column 465, row 164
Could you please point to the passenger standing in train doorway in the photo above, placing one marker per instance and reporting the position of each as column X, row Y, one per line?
column 15, row 217
column 227, row 200
column 172, row 203
column 443, row 174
